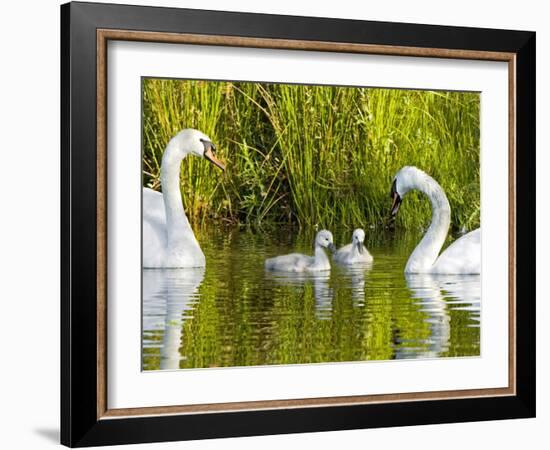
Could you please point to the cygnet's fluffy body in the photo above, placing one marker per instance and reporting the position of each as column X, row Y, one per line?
column 297, row 262
column 354, row 253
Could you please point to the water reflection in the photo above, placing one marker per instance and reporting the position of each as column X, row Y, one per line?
column 236, row 314
column 357, row 276
column 437, row 295
column 464, row 294
column 169, row 295
column 322, row 291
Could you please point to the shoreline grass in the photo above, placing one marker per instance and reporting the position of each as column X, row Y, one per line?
column 314, row 156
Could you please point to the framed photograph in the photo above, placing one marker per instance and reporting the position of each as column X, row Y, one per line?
column 278, row 224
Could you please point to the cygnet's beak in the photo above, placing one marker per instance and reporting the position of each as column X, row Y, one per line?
column 331, row 247
column 360, row 247
column 209, row 154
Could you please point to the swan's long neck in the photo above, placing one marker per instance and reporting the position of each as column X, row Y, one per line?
column 321, row 258
column 177, row 225
column 426, row 252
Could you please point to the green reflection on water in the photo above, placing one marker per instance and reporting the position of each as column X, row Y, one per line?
column 233, row 313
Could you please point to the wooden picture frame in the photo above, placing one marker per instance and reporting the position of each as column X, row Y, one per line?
column 85, row 416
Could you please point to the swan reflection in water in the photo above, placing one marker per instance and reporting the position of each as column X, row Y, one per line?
column 441, row 311
column 168, row 295
column 437, row 295
column 357, row 276
column 322, row 291
column 351, row 277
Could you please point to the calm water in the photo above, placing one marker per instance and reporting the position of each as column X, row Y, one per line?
column 233, row 313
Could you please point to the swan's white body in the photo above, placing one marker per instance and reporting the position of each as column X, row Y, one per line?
column 297, row 262
column 184, row 251
column 168, row 240
column 354, row 253
column 463, row 256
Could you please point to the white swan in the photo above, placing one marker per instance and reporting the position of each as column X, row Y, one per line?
column 463, row 256
column 296, row 262
column 354, row 253
column 168, row 240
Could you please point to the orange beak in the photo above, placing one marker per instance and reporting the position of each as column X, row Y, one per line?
column 209, row 155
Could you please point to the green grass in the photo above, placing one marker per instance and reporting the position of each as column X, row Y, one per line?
column 314, row 155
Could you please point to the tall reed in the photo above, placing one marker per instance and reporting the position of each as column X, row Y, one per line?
column 314, row 155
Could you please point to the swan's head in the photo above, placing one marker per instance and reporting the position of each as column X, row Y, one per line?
column 324, row 239
column 358, row 238
column 407, row 178
column 190, row 141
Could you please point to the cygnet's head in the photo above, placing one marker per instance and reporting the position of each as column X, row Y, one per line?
column 358, row 238
column 408, row 177
column 190, row 141
column 325, row 240
column 358, row 235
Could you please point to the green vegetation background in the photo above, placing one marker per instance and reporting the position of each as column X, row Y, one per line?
column 314, row 155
